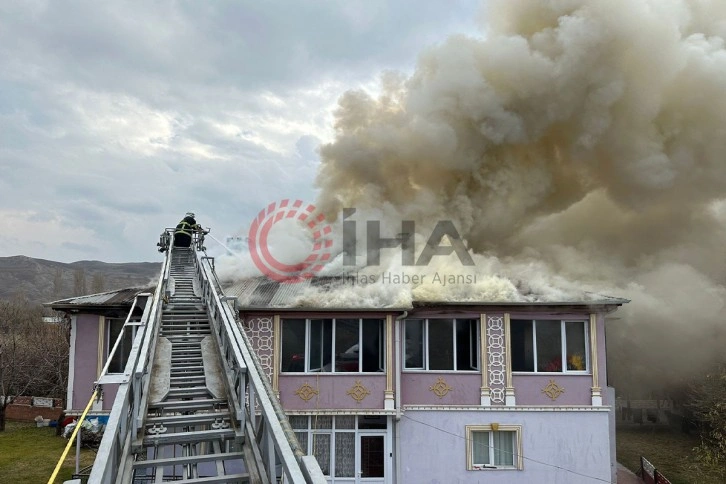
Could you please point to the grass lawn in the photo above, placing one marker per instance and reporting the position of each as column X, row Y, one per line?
column 671, row 452
column 28, row 454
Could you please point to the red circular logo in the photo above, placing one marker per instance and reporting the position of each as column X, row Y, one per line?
column 313, row 222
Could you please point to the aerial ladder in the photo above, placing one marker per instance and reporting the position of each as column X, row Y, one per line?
column 193, row 404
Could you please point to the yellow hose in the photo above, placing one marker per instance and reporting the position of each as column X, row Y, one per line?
column 73, row 436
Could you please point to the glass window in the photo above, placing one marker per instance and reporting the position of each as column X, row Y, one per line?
column 293, row 345
column 467, row 344
column 522, row 341
column 549, row 346
column 347, row 345
column 121, row 356
column 414, row 343
column 493, row 449
column 337, row 443
column 450, row 344
column 320, row 347
column 556, row 346
column 333, row 345
column 441, row 344
column 321, row 451
column 345, row 454
column 576, row 346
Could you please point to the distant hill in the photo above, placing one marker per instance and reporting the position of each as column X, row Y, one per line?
column 45, row 280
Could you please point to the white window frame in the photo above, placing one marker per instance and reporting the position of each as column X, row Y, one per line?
column 311, row 432
column 563, row 348
column 518, row 457
column 425, row 346
column 381, row 347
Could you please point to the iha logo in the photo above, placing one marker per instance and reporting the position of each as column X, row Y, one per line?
column 306, row 216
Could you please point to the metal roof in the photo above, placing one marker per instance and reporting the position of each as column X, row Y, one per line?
column 263, row 293
column 118, row 298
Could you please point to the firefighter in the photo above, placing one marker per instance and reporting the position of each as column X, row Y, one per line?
column 184, row 231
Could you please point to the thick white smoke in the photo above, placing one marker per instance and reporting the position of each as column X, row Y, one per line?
column 579, row 144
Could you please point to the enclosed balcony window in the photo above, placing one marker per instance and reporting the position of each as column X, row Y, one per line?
column 441, row 344
column 333, row 345
column 549, row 346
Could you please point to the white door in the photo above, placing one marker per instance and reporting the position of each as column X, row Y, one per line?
column 371, row 459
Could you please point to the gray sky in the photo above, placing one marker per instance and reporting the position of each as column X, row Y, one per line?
column 118, row 117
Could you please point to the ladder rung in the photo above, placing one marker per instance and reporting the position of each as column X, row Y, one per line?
column 192, row 459
column 194, row 436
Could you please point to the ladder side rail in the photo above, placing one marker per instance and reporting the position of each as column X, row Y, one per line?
column 235, row 368
column 141, row 381
column 113, row 459
column 275, row 421
column 261, row 433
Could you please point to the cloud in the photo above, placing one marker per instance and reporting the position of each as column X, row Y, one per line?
column 115, row 119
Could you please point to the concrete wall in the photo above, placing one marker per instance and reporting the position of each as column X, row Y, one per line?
column 433, row 447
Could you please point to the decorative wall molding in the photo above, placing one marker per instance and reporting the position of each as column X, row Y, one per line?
column 553, row 390
column 440, row 388
column 342, row 411
column 260, row 333
column 485, row 393
column 358, row 392
column 496, row 358
column 306, row 392
column 519, row 408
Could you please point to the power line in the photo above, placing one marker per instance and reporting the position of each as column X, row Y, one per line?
column 522, row 456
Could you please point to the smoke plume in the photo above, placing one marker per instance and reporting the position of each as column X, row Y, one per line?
column 578, row 144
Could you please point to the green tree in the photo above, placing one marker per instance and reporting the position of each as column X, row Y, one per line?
column 709, row 409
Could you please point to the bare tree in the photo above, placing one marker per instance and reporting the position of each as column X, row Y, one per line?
column 98, row 283
column 58, row 286
column 79, row 282
column 18, row 320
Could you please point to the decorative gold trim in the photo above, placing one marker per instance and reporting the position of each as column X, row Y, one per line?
column 306, row 392
column 509, row 397
column 101, row 358
column 440, row 388
column 593, row 351
column 358, row 392
column 276, row 342
column 389, row 355
column 553, row 390
column 507, row 350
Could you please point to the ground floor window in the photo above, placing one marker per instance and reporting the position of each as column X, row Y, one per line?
column 347, row 447
column 493, row 447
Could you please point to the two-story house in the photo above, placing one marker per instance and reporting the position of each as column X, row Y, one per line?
column 437, row 392
column 440, row 392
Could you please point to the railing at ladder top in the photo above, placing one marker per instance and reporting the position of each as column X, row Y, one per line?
column 247, row 384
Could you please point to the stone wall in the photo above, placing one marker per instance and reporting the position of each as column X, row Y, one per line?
column 24, row 410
